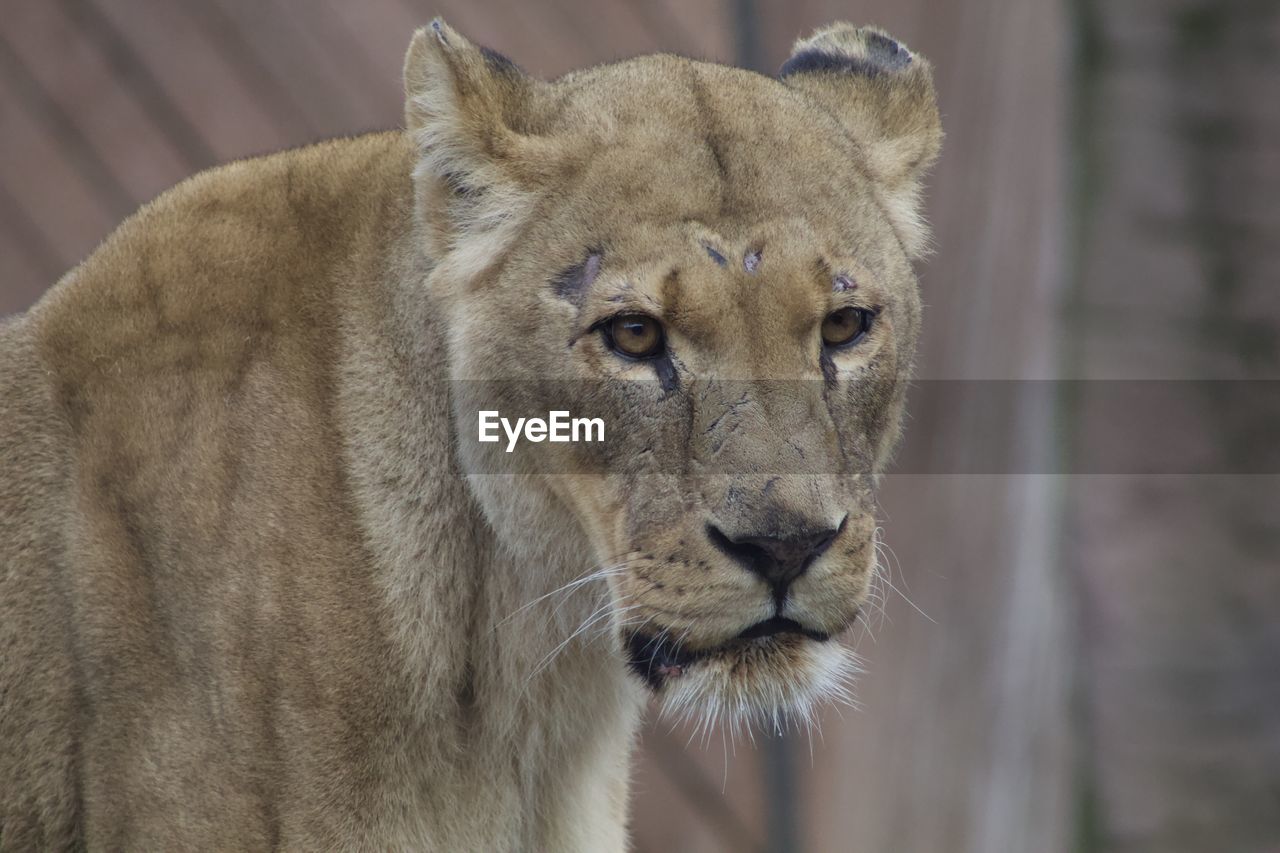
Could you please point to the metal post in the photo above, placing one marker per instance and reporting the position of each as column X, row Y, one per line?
column 779, row 753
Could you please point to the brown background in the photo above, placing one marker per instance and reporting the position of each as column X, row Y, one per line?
column 1099, row 667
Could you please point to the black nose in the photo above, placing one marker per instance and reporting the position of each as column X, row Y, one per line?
column 777, row 559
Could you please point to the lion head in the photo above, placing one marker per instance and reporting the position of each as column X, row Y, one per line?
column 717, row 264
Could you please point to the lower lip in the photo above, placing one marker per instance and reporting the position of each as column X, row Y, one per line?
column 777, row 626
column 671, row 669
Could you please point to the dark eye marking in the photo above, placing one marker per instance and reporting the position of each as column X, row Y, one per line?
column 573, row 281
column 714, row 255
column 667, row 376
column 639, row 337
column 829, row 375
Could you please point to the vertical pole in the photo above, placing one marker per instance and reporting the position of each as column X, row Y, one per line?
column 747, row 35
column 780, row 794
column 778, row 762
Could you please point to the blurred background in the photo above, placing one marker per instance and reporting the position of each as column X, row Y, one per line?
column 1073, row 657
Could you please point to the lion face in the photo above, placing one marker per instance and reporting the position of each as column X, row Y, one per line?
column 716, row 264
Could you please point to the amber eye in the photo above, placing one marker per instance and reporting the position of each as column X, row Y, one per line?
column 634, row 335
column 846, row 326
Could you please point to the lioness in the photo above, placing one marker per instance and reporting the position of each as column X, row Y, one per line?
column 261, row 585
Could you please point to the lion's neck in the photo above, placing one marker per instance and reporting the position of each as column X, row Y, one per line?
column 521, row 716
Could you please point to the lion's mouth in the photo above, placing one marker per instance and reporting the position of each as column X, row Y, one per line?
column 658, row 657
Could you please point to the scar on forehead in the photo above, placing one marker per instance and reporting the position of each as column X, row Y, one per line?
column 843, row 282
column 573, row 281
column 751, row 261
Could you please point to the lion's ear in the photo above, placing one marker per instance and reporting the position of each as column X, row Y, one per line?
column 883, row 95
column 473, row 115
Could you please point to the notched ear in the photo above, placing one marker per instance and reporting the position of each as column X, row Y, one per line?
column 883, row 95
column 474, row 116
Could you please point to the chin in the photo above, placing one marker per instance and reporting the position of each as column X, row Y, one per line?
column 770, row 679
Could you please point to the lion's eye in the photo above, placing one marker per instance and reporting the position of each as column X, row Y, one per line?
column 634, row 335
column 846, row 326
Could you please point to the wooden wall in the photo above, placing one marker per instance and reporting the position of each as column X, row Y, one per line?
column 1177, row 299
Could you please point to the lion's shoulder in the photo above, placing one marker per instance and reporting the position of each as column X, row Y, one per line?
column 198, row 279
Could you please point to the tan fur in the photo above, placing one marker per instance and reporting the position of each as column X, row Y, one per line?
column 260, row 586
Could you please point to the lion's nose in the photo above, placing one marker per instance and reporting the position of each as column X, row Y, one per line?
column 778, row 559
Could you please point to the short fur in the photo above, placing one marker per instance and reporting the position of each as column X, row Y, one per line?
column 260, row 587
